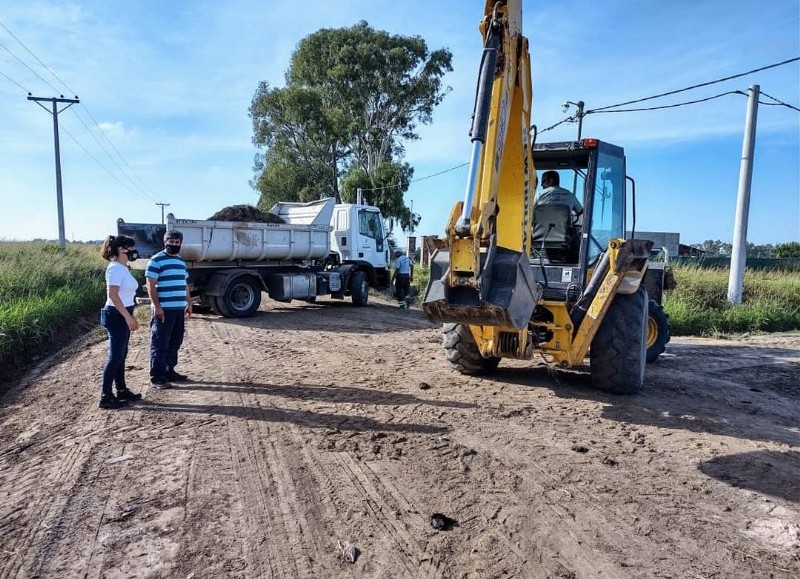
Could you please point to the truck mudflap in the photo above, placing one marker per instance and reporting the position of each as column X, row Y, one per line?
column 506, row 294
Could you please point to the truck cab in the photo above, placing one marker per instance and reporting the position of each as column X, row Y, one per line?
column 359, row 236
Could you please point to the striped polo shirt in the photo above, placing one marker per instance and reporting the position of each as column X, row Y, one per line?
column 170, row 274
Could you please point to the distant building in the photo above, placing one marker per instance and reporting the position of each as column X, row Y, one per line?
column 670, row 241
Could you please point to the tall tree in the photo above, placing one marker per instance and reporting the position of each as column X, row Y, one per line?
column 353, row 97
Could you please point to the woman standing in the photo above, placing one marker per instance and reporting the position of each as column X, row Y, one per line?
column 117, row 318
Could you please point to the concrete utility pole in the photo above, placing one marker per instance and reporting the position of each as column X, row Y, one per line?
column 739, row 248
column 38, row 100
column 162, row 210
column 579, row 105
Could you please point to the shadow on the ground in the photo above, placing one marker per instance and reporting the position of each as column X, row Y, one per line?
column 766, row 471
column 304, row 418
column 699, row 388
column 334, row 394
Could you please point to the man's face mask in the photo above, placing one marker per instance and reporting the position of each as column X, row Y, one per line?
column 172, row 248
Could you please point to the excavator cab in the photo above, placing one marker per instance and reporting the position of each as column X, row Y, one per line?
column 565, row 246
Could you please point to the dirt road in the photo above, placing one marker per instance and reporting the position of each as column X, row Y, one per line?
column 304, row 427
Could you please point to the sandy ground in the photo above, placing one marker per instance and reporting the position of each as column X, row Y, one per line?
column 309, row 426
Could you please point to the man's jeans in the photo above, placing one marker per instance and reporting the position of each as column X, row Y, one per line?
column 165, row 340
column 118, row 337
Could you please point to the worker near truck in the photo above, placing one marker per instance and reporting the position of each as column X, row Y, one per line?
column 553, row 194
column 402, row 277
column 167, row 287
column 117, row 318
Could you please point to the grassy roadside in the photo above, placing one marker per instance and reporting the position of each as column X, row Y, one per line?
column 44, row 290
column 698, row 305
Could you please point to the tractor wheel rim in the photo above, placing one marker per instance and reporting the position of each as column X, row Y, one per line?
column 652, row 331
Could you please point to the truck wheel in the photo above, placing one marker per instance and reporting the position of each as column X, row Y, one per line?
column 242, row 297
column 462, row 352
column 658, row 333
column 217, row 306
column 617, row 357
column 359, row 288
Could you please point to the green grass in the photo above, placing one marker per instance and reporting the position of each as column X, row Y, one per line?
column 699, row 306
column 43, row 290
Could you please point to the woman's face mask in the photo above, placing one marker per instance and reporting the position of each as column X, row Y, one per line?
column 132, row 254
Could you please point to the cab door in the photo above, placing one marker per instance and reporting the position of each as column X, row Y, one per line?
column 371, row 237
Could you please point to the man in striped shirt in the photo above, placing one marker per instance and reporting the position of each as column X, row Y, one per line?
column 171, row 304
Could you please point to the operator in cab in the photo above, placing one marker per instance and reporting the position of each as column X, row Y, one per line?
column 553, row 194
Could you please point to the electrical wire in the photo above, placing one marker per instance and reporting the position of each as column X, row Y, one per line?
column 695, row 86
column 96, row 160
column 43, row 79
column 144, row 187
column 670, row 106
column 416, row 180
column 15, row 82
column 777, row 102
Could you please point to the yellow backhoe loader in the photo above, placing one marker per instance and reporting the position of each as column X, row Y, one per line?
column 517, row 279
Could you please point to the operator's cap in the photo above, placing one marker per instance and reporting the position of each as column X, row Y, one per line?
column 173, row 235
column 397, row 253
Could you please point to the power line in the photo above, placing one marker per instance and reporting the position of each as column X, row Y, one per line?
column 671, row 106
column 29, row 68
column 695, row 86
column 415, row 180
column 144, row 187
column 37, row 58
column 15, row 82
column 777, row 102
column 95, row 159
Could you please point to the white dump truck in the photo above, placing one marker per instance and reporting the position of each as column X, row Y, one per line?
column 321, row 248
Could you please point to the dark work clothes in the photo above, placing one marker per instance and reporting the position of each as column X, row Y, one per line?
column 165, row 340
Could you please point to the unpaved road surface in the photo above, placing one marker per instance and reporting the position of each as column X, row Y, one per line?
column 307, row 426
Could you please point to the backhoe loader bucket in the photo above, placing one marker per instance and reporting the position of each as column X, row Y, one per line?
column 506, row 296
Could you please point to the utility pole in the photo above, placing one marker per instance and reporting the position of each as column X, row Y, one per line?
column 162, row 210
column 59, row 196
column 579, row 114
column 739, row 248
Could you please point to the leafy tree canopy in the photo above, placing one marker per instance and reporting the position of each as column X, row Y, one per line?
column 789, row 249
column 353, row 97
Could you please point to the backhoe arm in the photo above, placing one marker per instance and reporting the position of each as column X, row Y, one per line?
column 485, row 278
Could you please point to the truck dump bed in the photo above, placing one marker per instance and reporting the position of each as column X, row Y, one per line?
column 304, row 236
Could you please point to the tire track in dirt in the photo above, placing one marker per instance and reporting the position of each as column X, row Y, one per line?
column 269, row 504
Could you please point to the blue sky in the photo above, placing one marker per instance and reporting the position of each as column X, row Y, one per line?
column 169, row 84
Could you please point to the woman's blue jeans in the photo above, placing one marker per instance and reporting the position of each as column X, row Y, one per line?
column 118, row 337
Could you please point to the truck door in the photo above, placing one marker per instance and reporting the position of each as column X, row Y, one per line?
column 371, row 237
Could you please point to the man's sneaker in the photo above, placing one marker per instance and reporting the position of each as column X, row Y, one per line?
column 126, row 395
column 110, row 403
column 160, row 383
column 175, row 377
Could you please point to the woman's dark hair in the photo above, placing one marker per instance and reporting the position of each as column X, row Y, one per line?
column 112, row 243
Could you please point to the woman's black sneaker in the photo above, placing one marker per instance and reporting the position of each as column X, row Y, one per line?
column 173, row 376
column 110, row 403
column 126, row 395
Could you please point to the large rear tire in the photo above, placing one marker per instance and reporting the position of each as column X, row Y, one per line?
column 462, row 352
column 658, row 332
column 619, row 349
column 359, row 288
column 242, row 297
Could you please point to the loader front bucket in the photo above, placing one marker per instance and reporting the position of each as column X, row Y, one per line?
column 506, row 294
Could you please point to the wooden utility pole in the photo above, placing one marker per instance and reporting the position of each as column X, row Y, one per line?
column 59, row 196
